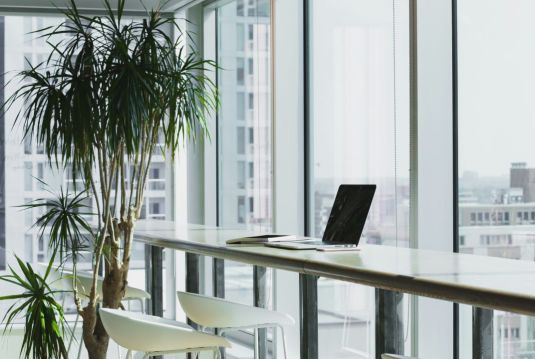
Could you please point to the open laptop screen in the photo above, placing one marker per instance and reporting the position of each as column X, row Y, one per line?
column 348, row 215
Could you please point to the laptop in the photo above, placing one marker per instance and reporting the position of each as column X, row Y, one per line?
column 345, row 224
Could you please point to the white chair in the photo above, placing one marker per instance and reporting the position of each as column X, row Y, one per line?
column 61, row 279
column 227, row 316
column 394, row 356
column 157, row 336
column 84, row 281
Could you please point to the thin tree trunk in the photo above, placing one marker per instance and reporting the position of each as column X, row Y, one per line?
column 96, row 339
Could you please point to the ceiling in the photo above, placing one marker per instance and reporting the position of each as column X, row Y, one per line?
column 36, row 6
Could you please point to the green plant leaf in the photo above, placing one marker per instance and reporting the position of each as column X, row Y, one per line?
column 44, row 323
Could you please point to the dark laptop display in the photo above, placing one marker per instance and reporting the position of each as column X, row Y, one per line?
column 348, row 214
column 345, row 224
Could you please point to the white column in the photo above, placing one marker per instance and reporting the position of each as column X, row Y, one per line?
column 434, row 166
column 288, row 147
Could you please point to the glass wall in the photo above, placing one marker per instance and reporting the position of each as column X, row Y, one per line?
column 359, row 133
column 28, row 166
column 496, row 158
column 24, row 162
column 244, row 130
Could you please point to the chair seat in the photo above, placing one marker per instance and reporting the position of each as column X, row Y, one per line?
column 61, row 280
column 85, row 281
column 219, row 313
column 146, row 333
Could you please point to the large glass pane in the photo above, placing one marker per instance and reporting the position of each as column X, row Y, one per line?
column 244, row 128
column 27, row 165
column 496, row 157
column 244, row 131
column 359, row 133
column 24, row 165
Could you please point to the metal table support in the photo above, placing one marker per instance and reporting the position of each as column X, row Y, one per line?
column 218, row 285
column 154, row 278
column 308, row 318
column 218, row 277
column 482, row 333
column 192, row 277
column 192, row 282
column 388, row 323
column 260, row 300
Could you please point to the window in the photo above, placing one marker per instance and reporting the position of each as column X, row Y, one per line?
column 241, row 174
column 27, row 147
column 28, row 214
column 155, row 208
column 496, row 160
column 238, row 129
column 25, row 162
column 251, row 101
column 244, row 195
column 250, row 32
column 41, row 176
column 28, row 179
column 359, row 133
column 251, row 170
column 250, row 66
column 240, row 71
column 239, row 7
column 28, row 248
column 251, row 8
column 240, row 140
column 251, row 136
column 241, row 209
column 240, row 106
column 156, row 180
column 240, row 37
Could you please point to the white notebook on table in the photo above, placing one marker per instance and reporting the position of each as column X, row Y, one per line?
column 264, row 238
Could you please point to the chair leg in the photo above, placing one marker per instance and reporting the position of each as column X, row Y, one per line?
column 128, row 354
column 217, row 353
column 256, row 348
column 73, row 331
column 80, row 348
column 142, row 305
column 284, row 343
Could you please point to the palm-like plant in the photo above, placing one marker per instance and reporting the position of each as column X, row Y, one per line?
column 110, row 91
column 43, row 315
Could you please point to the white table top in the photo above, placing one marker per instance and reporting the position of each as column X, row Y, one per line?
column 489, row 282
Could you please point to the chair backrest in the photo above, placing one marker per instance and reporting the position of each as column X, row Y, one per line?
column 220, row 313
column 60, row 279
column 145, row 333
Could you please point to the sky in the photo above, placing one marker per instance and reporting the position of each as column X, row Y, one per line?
column 496, row 85
column 354, row 92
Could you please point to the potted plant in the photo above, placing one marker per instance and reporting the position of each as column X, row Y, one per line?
column 110, row 91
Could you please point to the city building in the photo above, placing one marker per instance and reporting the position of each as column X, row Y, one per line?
column 431, row 102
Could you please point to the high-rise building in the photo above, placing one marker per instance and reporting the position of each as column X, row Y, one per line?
column 501, row 223
column 244, row 121
column 29, row 175
column 524, row 178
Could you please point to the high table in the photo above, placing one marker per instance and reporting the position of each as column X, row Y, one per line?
column 483, row 282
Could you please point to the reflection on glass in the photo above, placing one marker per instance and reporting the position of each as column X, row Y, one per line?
column 359, row 115
column 27, row 164
column 244, row 129
column 496, row 158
